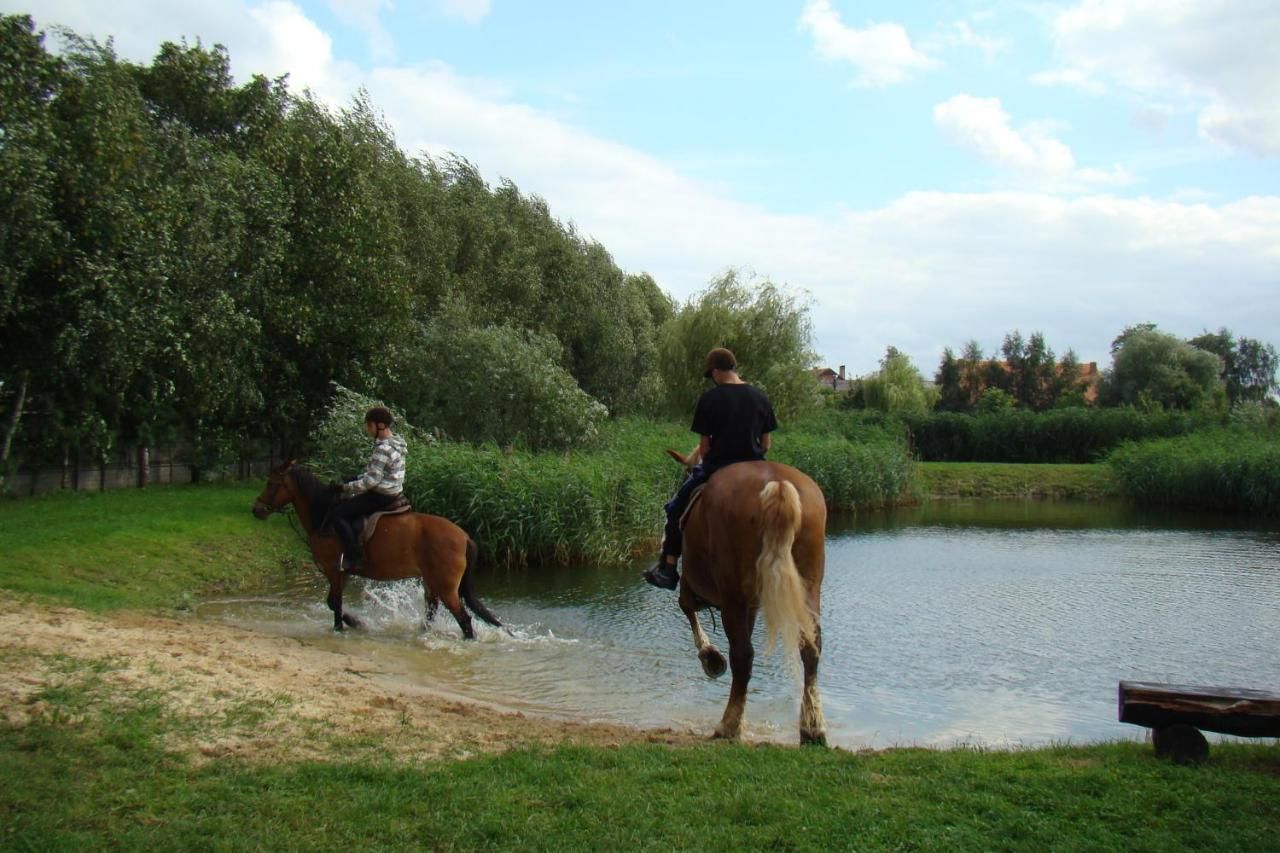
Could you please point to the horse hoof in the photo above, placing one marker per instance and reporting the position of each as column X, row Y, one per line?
column 721, row 733
column 713, row 663
column 813, row 738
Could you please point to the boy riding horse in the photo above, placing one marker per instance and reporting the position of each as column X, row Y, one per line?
column 373, row 491
column 734, row 421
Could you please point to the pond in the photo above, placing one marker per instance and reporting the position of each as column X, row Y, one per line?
column 992, row 623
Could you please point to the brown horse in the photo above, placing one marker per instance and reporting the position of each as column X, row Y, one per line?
column 406, row 545
column 755, row 540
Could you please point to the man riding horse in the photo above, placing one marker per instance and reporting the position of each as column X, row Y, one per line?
column 734, row 421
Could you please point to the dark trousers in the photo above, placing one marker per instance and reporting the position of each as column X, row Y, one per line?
column 346, row 511
column 672, row 536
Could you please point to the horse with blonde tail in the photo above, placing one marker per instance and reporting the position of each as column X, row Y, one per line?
column 754, row 540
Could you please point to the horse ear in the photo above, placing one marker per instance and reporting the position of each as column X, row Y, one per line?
column 679, row 457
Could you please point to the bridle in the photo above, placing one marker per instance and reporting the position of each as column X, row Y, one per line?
column 272, row 508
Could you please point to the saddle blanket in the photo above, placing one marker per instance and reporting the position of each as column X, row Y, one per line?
column 397, row 507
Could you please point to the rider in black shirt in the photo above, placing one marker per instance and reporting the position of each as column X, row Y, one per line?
column 734, row 421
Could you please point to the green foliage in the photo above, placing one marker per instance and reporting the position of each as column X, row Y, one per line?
column 898, row 388
column 1235, row 470
column 184, row 259
column 1248, row 366
column 1075, row 435
column 1152, row 369
column 767, row 329
column 498, row 384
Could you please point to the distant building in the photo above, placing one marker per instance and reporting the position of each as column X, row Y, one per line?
column 828, row 378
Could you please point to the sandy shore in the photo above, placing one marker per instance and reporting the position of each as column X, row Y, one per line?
column 258, row 697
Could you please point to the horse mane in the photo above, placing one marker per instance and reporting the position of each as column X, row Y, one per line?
column 316, row 492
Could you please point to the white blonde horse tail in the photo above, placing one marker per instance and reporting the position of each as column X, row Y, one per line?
column 782, row 594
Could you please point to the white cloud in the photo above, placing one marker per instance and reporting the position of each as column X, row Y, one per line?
column 471, row 11
column 365, row 15
column 882, row 53
column 1031, row 153
column 982, row 126
column 962, row 34
column 1218, row 59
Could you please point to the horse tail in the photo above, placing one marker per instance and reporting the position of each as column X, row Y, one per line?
column 468, row 594
column 782, row 593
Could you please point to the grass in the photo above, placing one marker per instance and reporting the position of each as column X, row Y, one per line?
column 154, row 547
column 1005, row 480
column 96, row 772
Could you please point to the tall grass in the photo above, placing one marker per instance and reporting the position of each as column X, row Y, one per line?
column 604, row 502
column 1074, row 435
column 1234, row 470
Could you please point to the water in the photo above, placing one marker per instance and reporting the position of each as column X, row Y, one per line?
column 995, row 623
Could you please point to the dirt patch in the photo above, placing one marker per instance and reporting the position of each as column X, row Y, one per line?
column 232, row 692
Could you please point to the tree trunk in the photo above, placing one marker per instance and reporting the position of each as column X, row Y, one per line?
column 15, row 416
column 144, row 466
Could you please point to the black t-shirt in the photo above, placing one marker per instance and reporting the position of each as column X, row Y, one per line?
column 735, row 416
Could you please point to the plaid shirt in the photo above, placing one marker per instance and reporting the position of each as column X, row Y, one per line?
column 385, row 474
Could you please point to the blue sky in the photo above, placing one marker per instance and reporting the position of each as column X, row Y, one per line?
column 926, row 173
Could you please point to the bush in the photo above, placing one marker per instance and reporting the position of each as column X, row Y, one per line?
column 1059, row 435
column 1229, row 469
column 500, row 384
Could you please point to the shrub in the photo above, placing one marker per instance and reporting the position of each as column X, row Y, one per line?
column 1229, row 469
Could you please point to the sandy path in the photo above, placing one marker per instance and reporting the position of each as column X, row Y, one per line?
column 260, row 697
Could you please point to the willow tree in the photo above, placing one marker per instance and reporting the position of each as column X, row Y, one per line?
column 768, row 329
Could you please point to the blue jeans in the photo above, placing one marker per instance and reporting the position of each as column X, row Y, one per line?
column 672, row 537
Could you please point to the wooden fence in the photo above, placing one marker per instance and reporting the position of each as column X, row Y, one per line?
column 127, row 468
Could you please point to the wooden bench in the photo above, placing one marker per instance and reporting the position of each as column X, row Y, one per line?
column 1176, row 713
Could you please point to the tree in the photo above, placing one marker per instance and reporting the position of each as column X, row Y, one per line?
column 30, row 233
column 766, row 328
column 952, row 396
column 1248, row 366
column 1151, row 368
column 898, row 388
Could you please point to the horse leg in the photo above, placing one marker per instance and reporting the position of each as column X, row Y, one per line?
column 337, row 580
column 433, row 604
column 713, row 663
column 813, row 726
column 737, row 627
column 454, row 605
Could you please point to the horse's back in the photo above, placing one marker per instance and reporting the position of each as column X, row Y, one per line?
column 726, row 528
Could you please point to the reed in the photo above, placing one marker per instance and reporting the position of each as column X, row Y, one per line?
column 1229, row 469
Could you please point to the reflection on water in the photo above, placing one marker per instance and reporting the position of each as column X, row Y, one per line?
column 992, row 622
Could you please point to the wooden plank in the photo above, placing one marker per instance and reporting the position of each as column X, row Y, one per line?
column 1226, row 710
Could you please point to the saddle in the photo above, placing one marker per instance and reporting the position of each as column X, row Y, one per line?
column 366, row 526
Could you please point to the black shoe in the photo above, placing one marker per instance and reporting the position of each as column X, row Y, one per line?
column 663, row 575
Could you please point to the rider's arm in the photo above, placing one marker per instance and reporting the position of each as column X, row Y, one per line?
column 766, row 441
column 372, row 475
column 700, row 452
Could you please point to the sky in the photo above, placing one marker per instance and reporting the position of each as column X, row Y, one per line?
column 921, row 174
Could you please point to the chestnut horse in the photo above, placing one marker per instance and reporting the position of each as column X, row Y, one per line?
column 406, row 545
column 755, row 539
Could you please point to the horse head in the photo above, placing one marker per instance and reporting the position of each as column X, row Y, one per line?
column 276, row 494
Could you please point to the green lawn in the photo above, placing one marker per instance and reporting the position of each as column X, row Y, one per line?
column 153, row 547
column 1011, row 480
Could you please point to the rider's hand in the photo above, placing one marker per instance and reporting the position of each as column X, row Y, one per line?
column 335, row 487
